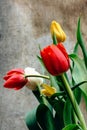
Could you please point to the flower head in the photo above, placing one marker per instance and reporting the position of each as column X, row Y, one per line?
column 48, row 90
column 55, row 59
column 32, row 81
column 14, row 79
column 57, row 31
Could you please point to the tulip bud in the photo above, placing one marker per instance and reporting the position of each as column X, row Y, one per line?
column 57, row 31
column 32, row 81
column 15, row 79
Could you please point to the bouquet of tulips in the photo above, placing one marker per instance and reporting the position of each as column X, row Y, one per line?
column 59, row 88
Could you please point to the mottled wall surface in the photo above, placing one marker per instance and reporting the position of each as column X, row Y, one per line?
column 24, row 24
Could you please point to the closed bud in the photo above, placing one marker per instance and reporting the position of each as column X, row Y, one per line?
column 57, row 31
column 55, row 59
column 15, row 79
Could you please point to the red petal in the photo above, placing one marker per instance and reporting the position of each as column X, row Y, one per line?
column 55, row 60
column 12, row 72
column 18, row 70
column 16, row 81
column 6, row 77
column 63, row 50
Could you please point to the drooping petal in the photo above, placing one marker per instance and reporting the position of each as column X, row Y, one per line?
column 12, row 72
column 18, row 70
column 48, row 90
column 16, row 81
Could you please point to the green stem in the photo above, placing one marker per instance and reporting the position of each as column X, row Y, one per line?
column 43, row 99
column 38, row 76
column 54, row 39
column 74, row 103
column 42, row 96
column 75, row 117
column 39, row 88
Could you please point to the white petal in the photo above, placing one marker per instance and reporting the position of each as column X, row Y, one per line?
column 33, row 81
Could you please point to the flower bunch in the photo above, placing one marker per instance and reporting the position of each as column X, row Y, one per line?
column 59, row 92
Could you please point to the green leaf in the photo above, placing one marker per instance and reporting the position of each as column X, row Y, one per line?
column 67, row 113
column 76, row 48
column 42, row 64
column 81, row 42
column 71, row 127
column 78, row 94
column 53, row 82
column 62, row 93
column 37, row 95
column 77, row 85
column 31, row 121
column 45, row 118
column 58, row 95
column 79, row 73
column 85, row 98
column 58, row 105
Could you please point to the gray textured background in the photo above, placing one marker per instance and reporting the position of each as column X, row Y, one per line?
column 24, row 24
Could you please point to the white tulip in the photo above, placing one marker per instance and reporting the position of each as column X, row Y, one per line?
column 32, row 81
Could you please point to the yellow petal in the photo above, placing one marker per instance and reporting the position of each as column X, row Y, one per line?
column 57, row 31
column 48, row 90
column 43, row 91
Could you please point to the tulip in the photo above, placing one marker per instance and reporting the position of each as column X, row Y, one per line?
column 57, row 31
column 48, row 90
column 15, row 79
column 33, row 82
column 55, row 59
column 18, row 78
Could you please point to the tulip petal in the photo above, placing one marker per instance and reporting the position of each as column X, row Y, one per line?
column 55, row 59
column 18, row 70
column 63, row 50
column 48, row 90
column 57, row 30
column 16, row 81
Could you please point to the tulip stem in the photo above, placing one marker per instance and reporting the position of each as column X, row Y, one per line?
column 74, row 102
column 41, row 95
column 54, row 39
column 38, row 76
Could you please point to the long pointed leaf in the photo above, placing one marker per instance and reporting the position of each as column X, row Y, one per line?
column 45, row 118
column 31, row 121
column 81, row 42
column 71, row 127
column 67, row 113
column 79, row 73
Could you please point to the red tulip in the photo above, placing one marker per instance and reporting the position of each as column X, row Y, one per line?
column 55, row 59
column 15, row 79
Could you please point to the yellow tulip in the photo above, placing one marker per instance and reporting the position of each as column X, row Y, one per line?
column 48, row 90
column 57, row 31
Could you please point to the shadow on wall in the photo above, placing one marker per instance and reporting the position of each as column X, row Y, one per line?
column 65, row 12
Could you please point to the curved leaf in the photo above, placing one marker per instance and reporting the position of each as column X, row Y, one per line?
column 67, row 113
column 45, row 118
column 71, row 127
column 81, row 42
column 79, row 73
column 31, row 121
